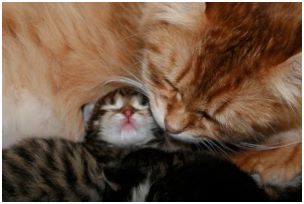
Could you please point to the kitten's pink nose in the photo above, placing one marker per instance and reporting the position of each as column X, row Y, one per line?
column 171, row 129
column 128, row 111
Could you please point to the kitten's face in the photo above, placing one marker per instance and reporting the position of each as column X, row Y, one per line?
column 123, row 118
column 218, row 78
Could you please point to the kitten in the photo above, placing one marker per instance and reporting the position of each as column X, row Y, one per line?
column 122, row 118
column 61, row 170
column 155, row 175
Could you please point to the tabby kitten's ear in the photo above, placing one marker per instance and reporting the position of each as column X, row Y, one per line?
column 287, row 79
column 87, row 111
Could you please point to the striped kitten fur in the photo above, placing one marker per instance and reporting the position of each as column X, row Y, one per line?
column 55, row 170
column 61, row 170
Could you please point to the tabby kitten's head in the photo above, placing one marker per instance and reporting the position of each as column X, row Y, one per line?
column 121, row 118
column 222, row 70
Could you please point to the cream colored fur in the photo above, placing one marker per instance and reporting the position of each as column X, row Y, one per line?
column 55, row 58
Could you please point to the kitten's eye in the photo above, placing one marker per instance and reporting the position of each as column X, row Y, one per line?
column 111, row 101
column 139, row 102
column 144, row 101
column 121, row 92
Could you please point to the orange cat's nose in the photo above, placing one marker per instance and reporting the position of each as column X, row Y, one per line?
column 170, row 129
column 128, row 111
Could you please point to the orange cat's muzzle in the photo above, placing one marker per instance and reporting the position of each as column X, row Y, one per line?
column 176, row 122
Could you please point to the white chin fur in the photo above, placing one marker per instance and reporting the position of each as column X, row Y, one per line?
column 111, row 131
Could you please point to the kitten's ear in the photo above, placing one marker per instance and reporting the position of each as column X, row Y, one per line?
column 87, row 112
column 186, row 15
column 286, row 81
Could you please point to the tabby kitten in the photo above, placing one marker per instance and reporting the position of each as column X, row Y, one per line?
column 61, row 170
column 55, row 170
column 121, row 118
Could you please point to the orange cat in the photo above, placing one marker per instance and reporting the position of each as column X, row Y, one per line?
column 227, row 72
column 55, row 58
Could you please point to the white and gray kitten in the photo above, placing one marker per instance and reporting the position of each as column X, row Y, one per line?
column 121, row 118
column 56, row 169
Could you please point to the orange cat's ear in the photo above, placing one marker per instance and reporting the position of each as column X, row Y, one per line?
column 185, row 15
column 286, row 80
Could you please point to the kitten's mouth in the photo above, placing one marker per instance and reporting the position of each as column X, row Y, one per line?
column 128, row 125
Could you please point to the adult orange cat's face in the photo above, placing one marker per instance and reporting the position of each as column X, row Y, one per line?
column 223, row 71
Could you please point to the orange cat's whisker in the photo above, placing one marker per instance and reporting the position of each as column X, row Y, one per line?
column 260, row 147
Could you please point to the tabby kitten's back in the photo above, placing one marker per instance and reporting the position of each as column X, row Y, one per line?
column 50, row 170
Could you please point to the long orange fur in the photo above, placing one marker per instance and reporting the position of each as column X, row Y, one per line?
column 230, row 72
